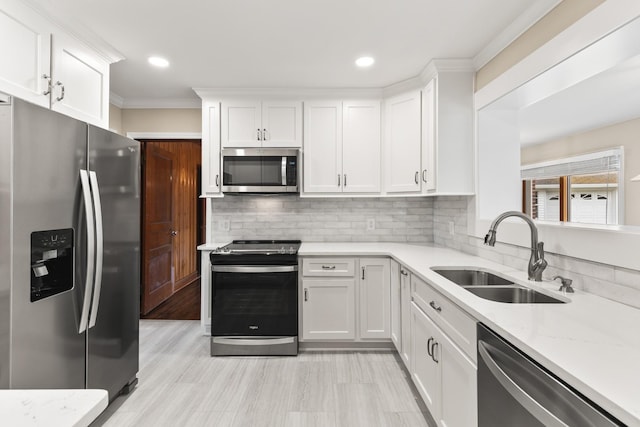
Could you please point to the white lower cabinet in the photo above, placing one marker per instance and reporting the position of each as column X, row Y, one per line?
column 375, row 311
column 345, row 299
column 396, row 309
column 444, row 376
column 328, row 310
column 405, row 316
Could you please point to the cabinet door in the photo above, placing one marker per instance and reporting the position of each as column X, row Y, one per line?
column 396, row 309
column 322, row 147
column 425, row 372
column 241, row 124
column 80, row 81
column 458, row 386
column 24, row 53
column 328, row 310
column 375, row 298
column 361, row 146
column 281, row 124
column 211, row 179
column 429, row 163
column 405, row 308
column 402, row 143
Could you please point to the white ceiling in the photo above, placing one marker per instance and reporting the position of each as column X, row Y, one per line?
column 283, row 43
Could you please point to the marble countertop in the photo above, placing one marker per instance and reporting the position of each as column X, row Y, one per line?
column 51, row 408
column 590, row 342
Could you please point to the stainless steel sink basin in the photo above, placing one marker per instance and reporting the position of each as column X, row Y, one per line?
column 495, row 288
column 472, row 277
column 512, row 294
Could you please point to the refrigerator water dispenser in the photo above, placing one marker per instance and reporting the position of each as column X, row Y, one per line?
column 51, row 263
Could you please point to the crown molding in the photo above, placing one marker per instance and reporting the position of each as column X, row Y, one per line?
column 287, row 92
column 116, row 100
column 83, row 34
column 514, row 30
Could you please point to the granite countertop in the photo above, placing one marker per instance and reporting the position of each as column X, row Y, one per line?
column 51, row 408
column 590, row 342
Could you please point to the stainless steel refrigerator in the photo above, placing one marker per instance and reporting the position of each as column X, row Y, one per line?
column 69, row 252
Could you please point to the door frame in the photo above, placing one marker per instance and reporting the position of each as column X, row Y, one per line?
column 169, row 136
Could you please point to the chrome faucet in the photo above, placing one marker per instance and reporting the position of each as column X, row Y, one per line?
column 537, row 263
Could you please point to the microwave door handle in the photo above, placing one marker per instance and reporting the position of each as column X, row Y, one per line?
column 283, row 170
column 524, row 399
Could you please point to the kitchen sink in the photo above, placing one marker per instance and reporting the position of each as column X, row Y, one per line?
column 495, row 288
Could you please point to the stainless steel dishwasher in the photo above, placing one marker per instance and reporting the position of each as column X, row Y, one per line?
column 514, row 390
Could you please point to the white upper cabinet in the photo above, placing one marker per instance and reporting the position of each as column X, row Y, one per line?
column 342, row 147
column 402, row 143
column 447, row 132
column 254, row 123
column 322, row 162
column 211, row 177
column 25, row 53
column 80, row 81
column 361, row 146
column 46, row 66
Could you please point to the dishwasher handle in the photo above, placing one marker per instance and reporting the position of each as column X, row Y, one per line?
column 527, row 402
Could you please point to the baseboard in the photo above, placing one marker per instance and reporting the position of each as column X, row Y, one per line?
column 343, row 345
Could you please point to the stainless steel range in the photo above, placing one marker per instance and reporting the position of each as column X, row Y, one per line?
column 254, row 298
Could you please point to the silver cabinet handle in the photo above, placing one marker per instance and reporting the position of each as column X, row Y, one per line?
column 218, row 180
column 61, row 97
column 48, row 79
column 345, row 179
column 508, row 383
column 259, row 135
column 404, row 273
column 435, row 306
column 306, row 294
column 338, row 180
column 433, row 351
column 174, row 233
column 265, row 135
column 97, row 284
column 416, row 177
column 429, row 341
column 424, row 175
column 328, row 267
column 89, row 218
column 363, row 272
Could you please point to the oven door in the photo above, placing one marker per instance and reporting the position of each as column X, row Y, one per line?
column 254, row 300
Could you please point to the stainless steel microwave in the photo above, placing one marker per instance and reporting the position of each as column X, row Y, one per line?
column 260, row 170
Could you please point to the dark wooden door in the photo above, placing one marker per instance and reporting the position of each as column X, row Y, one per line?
column 158, row 231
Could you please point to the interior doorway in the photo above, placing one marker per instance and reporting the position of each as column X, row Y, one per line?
column 172, row 228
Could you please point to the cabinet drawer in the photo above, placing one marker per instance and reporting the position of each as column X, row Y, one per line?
column 459, row 326
column 332, row 267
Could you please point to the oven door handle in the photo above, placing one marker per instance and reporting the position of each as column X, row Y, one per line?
column 529, row 403
column 253, row 341
column 254, row 268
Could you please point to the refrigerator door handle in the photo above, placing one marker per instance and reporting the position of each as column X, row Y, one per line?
column 88, row 211
column 97, row 206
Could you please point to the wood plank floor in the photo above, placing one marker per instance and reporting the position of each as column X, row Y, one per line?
column 181, row 385
column 183, row 305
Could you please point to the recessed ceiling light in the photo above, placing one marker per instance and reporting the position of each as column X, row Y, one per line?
column 365, row 61
column 158, row 61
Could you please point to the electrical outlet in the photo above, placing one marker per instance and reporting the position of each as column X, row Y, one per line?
column 371, row 224
column 451, row 228
column 225, row 225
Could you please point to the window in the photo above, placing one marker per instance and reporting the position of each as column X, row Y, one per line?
column 581, row 189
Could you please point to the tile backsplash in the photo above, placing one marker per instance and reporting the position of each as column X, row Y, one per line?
column 405, row 219
column 615, row 283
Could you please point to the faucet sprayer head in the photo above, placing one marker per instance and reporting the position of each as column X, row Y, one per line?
column 490, row 238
